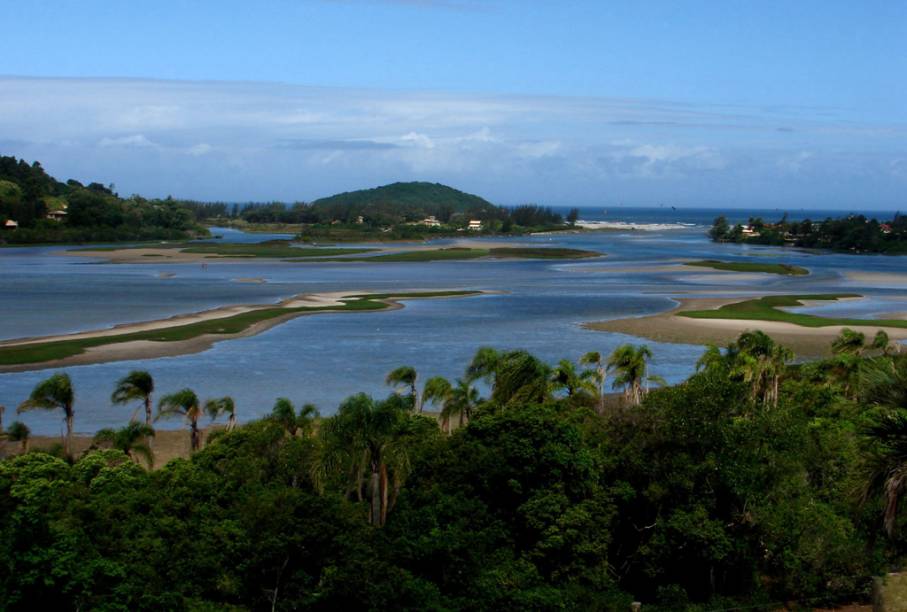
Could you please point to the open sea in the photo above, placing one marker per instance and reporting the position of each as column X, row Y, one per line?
column 325, row 358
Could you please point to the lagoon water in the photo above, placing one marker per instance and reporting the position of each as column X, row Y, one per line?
column 324, row 358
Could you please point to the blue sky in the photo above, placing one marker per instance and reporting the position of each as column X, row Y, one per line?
column 732, row 103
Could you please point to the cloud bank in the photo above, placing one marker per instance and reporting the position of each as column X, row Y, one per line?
column 237, row 141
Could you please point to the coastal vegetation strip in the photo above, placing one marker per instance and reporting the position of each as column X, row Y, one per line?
column 769, row 309
column 272, row 249
column 34, row 352
column 746, row 266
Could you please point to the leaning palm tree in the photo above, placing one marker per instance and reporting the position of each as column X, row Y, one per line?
column 407, row 376
column 484, row 364
column 51, row 394
column 630, row 364
column 19, row 432
column 849, row 342
column 137, row 385
column 224, row 405
column 886, row 466
column 597, row 374
column 132, row 440
column 183, row 403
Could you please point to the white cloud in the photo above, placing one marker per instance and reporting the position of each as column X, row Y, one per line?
column 241, row 141
column 134, row 140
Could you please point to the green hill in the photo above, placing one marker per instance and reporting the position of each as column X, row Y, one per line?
column 402, row 201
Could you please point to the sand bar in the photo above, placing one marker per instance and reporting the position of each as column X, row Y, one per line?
column 150, row 349
column 668, row 327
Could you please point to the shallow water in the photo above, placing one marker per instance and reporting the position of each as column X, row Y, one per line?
column 324, row 358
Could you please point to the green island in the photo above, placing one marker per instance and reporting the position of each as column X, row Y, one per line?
column 39, row 352
column 746, row 266
column 768, row 309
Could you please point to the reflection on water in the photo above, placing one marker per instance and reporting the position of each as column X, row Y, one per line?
column 324, row 358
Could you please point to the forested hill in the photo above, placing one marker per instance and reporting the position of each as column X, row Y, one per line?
column 36, row 207
column 412, row 200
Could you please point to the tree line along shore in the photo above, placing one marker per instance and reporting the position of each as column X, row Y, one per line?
column 755, row 482
column 36, row 208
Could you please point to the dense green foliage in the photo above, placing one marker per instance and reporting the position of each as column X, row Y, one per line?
column 92, row 213
column 740, row 486
column 854, row 233
column 750, row 266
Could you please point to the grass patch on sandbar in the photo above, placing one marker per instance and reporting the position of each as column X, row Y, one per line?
column 465, row 253
column 767, row 309
column 272, row 249
column 40, row 352
column 741, row 266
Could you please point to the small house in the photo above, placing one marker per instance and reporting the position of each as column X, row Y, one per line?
column 474, row 225
column 430, row 221
column 56, row 215
column 11, row 225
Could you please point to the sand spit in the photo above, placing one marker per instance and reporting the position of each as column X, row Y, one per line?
column 147, row 349
column 668, row 327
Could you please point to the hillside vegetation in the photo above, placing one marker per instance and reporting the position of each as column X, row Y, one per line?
column 85, row 213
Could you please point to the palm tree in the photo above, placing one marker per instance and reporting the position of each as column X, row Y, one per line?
column 882, row 342
column 224, row 405
column 849, row 342
column 456, row 401
column 598, row 375
column 406, row 375
column 51, row 394
column 365, row 436
column 19, row 432
column 130, row 439
column 886, row 466
column 711, row 358
column 464, row 398
column 438, row 390
column 285, row 413
column 484, row 365
column 760, row 362
column 137, row 385
column 183, row 403
column 630, row 364
column 566, row 377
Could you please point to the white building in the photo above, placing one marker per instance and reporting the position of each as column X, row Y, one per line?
column 474, row 225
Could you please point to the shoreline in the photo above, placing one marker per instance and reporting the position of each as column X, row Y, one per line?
column 296, row 306
column 673, row 329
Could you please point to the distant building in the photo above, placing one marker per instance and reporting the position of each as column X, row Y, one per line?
column 11, row 225
column 360, row 220
column 56, row 215
column 474, row 225
column 430, row 221
column 886, row 229
column 749, row 232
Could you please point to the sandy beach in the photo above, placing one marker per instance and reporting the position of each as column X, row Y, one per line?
column 668, row 327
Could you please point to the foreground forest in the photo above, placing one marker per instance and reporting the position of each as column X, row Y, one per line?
column 755, row 481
